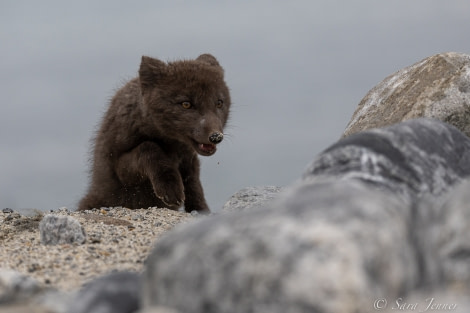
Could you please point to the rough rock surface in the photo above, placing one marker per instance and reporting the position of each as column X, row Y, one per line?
column 157, row 310
column 445, row 237
column 410, row 159
column 332, row 243
column 113, row 293
column 315, row 246
column 61, row 230
column 436, row 87
column 251, row 197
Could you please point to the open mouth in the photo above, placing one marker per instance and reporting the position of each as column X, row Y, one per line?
column 205, row 148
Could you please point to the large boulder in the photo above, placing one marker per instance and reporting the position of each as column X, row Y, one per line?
column 411, row 159
column 319, row 250
column 436, row 87
column 362, row 225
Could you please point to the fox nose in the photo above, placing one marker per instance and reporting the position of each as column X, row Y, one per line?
column 216, row 137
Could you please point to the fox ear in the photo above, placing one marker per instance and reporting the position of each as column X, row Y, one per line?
column 151, row 70
column 209, row 59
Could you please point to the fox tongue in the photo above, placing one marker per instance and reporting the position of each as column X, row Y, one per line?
column 207, row 147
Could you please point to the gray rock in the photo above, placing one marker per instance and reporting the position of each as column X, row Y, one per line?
column 435, row 301
column 27, row 212
column 54, row 300
column 15, row 287
column 24, row 308
column 321, row 248
column 436, row 87
column 56, row 229
column 368, row 220
column 412, row 159
column 445, row 237
column 113, row 293
column 157, row 310
column 251, row 197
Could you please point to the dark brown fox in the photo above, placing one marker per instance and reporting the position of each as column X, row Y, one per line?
column 145, row 152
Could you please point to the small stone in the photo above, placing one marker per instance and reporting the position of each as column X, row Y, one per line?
column 34, row 267
column 61, row 230
column 8, row 218
column 158, row 224
column 137, row 217
column 194, row 213
column 7, row 210
column 95, row 237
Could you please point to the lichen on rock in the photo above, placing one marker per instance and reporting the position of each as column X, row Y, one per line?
column 436, row 87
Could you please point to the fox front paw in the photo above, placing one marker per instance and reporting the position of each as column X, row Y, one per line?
column 171, row 195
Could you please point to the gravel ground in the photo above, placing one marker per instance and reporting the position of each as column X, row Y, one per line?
column 117, row 239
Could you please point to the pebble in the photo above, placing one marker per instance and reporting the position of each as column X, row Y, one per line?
column 56, row 229
column 95, row 237
column 136, row 217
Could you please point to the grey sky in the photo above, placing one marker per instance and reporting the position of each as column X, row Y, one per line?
column 296, row 71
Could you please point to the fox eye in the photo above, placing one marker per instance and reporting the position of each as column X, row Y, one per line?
column 220, row 103
column 186, row 104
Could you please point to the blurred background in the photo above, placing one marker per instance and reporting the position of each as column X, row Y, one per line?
column 296, row 70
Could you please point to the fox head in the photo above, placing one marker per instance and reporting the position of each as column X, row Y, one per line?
column 187, row 100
